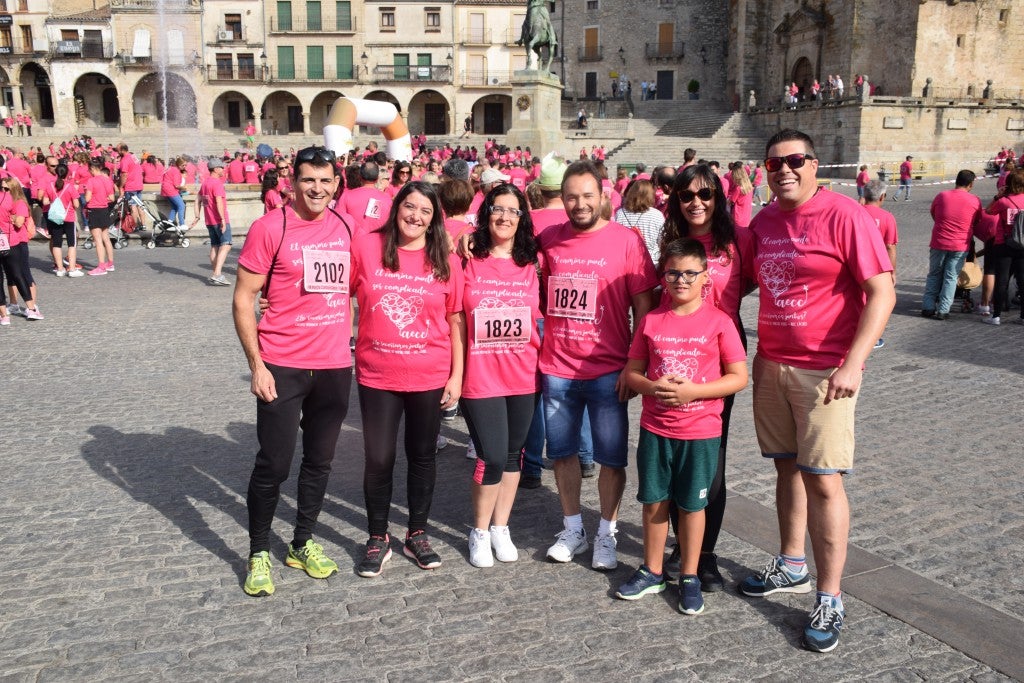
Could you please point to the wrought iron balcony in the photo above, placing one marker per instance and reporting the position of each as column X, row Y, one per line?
column 486, row 79
column 667, row 50
column 476, row 36
column 342, row 24
column 403, row 73
column 590, row 53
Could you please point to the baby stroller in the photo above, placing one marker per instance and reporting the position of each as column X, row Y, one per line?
column 118, row 230
column 164, row 232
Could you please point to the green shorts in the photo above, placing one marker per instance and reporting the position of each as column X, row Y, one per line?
column 676, row 469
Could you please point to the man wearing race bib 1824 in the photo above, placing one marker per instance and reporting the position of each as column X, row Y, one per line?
column 299, row 258
column 595, row 271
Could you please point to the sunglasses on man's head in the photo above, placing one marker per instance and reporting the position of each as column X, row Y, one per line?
column 314, row 154
column 704, row 194
column 794, row 161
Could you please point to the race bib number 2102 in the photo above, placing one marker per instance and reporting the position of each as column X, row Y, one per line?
column 325, row 270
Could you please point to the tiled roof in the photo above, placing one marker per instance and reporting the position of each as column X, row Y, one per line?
column 100, row 14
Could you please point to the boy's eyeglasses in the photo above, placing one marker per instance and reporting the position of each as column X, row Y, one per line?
column 794, row 161
column 704, row 194
column 687, row 276
column 314, row 154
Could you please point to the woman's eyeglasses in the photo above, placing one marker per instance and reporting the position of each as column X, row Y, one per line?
column 704, row 194
column 794, row 161
column 687, row 276
column 501, row 211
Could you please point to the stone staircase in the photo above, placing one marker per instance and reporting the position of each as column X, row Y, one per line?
column 722, row 136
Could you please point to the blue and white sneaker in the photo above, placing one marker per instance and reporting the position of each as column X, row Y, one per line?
column 822, row 631
column 642, row 583
column 775, row 578
column 691, row 600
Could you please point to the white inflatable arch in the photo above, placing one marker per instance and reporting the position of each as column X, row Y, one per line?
column 347, row 112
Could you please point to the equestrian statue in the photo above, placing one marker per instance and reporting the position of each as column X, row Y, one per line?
column 537, row 33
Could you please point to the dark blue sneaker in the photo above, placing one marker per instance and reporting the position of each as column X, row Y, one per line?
column 775, row 578
column 691, row 600
column 822, row 631
column 640, row 584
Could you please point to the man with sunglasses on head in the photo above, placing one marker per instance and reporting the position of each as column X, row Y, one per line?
column 298, row 259
column 826, row 292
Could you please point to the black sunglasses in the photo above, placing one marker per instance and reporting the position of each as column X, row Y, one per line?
column 313, row 154
column 794, row 161
column 704, row 194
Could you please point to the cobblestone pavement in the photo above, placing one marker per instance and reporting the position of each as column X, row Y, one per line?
column 129, row 436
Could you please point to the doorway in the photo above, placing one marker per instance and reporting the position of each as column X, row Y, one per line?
column 234, row 114
column 494, row 118
column 434, row 119
column 665, row 80
column 294, row 119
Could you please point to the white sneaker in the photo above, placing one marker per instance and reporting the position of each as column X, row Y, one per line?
column 604, row 552
column 76, row 273
column 442, row 443
column 60, row 273
column 480, row 548
column 471, row 451
column 501, row 541
column 15, row 309
column 994, row 320
column 984, row 310
column 569, row 544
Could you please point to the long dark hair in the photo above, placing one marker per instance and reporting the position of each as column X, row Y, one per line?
column 62, row 172
column 270, row 180
column 723, row 231
column 524, row 246
column 436, row 252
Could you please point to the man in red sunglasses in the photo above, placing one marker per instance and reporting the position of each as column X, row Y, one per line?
column 826, row 293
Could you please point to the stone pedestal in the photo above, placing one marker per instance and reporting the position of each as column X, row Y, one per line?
column 536, row 113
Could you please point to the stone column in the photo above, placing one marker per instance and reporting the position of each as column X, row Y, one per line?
column 536, row 112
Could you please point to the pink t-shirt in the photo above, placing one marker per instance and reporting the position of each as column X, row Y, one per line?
column 592, row 277
column 495, row 367
column 131, row 172
column 101, row 187
column 251, row 172
column 696, row 346
column 457, row 228
column 151, row 172
column 301, row 329
column 862, row 179
column 886, row 223
column 519, row 177
column 742, row 206
column 404, row 340
column 810, row 265
column 1006, row 207
column 9, row 208
column 726, row 184
column 272, row 200
column 955, row 213
column 728, row 273
column 368, row 206
column 170, row 184
column 20, row 169
column 67, row 195
column 474, row 208
column 211, row 189
column 235, row 172
column 905, row 170
column 544, row 218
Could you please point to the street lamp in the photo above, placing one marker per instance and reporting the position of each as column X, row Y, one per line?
column 263, row 63
column 365, row 59
column 451, row 61
column 622, row 55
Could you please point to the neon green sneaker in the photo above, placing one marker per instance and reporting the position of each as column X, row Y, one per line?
column 258, row 582
column 311, row 558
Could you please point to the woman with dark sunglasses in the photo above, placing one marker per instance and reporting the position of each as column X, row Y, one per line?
column 698, row 209
column 409, row 360
column 400, row 175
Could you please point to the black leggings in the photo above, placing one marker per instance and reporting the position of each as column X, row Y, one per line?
column 382, row 411
column 316, row 401
column 1006, row 261
column 498, row 427
column 13, row 267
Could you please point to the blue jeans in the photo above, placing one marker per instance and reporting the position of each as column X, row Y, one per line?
column 177, row 215
column 905, row 187
column 533, row 457
column 943, row 269
column 564, row 403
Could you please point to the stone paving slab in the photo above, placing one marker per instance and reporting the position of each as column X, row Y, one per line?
column 129, row 436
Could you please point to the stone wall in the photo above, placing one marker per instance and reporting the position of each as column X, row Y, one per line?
column 632, row 25
column 942, row 138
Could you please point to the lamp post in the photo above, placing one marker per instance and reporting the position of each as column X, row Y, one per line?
column 451, row 62
column 263, row 64
column 365, row 59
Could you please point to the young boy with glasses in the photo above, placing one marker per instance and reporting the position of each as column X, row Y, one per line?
column 684, row 359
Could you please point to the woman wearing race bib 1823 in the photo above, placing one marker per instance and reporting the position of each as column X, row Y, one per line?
column 500, row 390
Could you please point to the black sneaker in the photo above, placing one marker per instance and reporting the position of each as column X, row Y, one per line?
column 711, row 580
column 378, row 551
column 417, row 546
column 671, row 566
column 927, row 314
column 529, row 481
column 450, row 414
